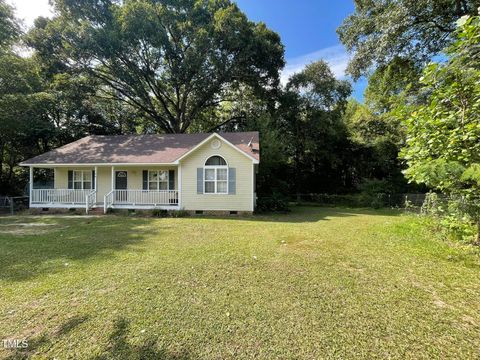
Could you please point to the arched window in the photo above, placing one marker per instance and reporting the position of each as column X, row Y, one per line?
column 215, row 161
column 215, row 175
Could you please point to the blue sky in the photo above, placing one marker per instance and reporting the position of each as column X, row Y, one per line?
column 307, row 29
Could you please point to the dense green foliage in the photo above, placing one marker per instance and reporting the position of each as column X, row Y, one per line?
column 21, row 128
column 379, row 31
column 312, row 284
column 169, row 60
column 310, row 120
column 443, row 136
column 390, row 42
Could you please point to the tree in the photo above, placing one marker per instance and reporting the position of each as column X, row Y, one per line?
column 376, row 140
column 310, row 121
column 9, row 26
column 380, row 30
column 391, row 85
column 169, row 60
column 43, row 106
column 443, row 136
column 18, row 80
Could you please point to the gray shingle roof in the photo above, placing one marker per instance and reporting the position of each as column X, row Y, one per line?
column 141, row 149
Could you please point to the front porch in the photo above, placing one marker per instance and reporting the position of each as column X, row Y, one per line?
column 115, row 199
column 111, row 187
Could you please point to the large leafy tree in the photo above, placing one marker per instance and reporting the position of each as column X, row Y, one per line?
column 169, row 60
column 376, row 126
column 71, row 101
column 376, row 142
column 42, row 105
column 443, row 137
column 311, row 122
column 392, row 85
column 380, row 30
column 19, row 82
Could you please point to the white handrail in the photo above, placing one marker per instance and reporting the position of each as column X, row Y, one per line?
column 90, row 200
column 107, row 201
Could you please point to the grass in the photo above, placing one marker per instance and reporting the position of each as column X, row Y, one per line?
column 316, row 283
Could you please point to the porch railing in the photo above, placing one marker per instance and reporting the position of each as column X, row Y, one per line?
column 141, row 197
column 87, row 198
column 108, row 201
column 59, row 196
column 90, row 200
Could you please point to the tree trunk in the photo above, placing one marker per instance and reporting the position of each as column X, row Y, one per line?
column 1, row 162
column 477, row 241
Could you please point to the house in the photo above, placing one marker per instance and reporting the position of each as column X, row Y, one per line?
column 194, row 172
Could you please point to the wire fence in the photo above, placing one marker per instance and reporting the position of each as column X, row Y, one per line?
column 13, row 204
column 421, row 203
column 401, row 200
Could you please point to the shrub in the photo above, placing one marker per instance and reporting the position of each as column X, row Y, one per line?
column 275, row 202
column 447, row 215
column 349, row 200
column 169, row 213
column 159, row 213
column 374, row 193
column 178, row 213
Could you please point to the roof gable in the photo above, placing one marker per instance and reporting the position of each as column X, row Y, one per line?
column 247, row 147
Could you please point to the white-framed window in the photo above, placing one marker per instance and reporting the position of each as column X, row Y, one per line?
column 157, row 179
column 215, row 175
column 82, row 179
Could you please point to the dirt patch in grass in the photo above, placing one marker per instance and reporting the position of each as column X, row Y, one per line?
column 21, row 229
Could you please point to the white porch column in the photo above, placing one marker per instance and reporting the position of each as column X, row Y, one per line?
column 96, row 183
column 113, row 178
column 30, row 186
column 254, row 190
column 179, row 170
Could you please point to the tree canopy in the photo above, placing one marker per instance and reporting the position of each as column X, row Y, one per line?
column 310, row 119
column 381, row 30
column 169, row 60
column 9, row 26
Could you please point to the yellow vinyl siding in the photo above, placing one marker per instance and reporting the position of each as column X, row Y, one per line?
column 243, row 198
column 60, row 178
column 104, row 182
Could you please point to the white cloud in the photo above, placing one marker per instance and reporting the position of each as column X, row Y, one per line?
column 29, row 10
column 336, row 56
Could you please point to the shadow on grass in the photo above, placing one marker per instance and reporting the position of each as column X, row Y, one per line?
column 33, row 346
column 118, row 345
column 120, row 348
column 43, row 340
column 70, row 324
column 25, row 256
column 307, row 214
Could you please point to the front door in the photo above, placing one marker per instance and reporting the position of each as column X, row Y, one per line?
column 121, row 182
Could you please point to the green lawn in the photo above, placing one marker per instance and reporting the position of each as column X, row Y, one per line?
column 316, row 283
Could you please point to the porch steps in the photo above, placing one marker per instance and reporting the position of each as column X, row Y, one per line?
column 96, row 211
